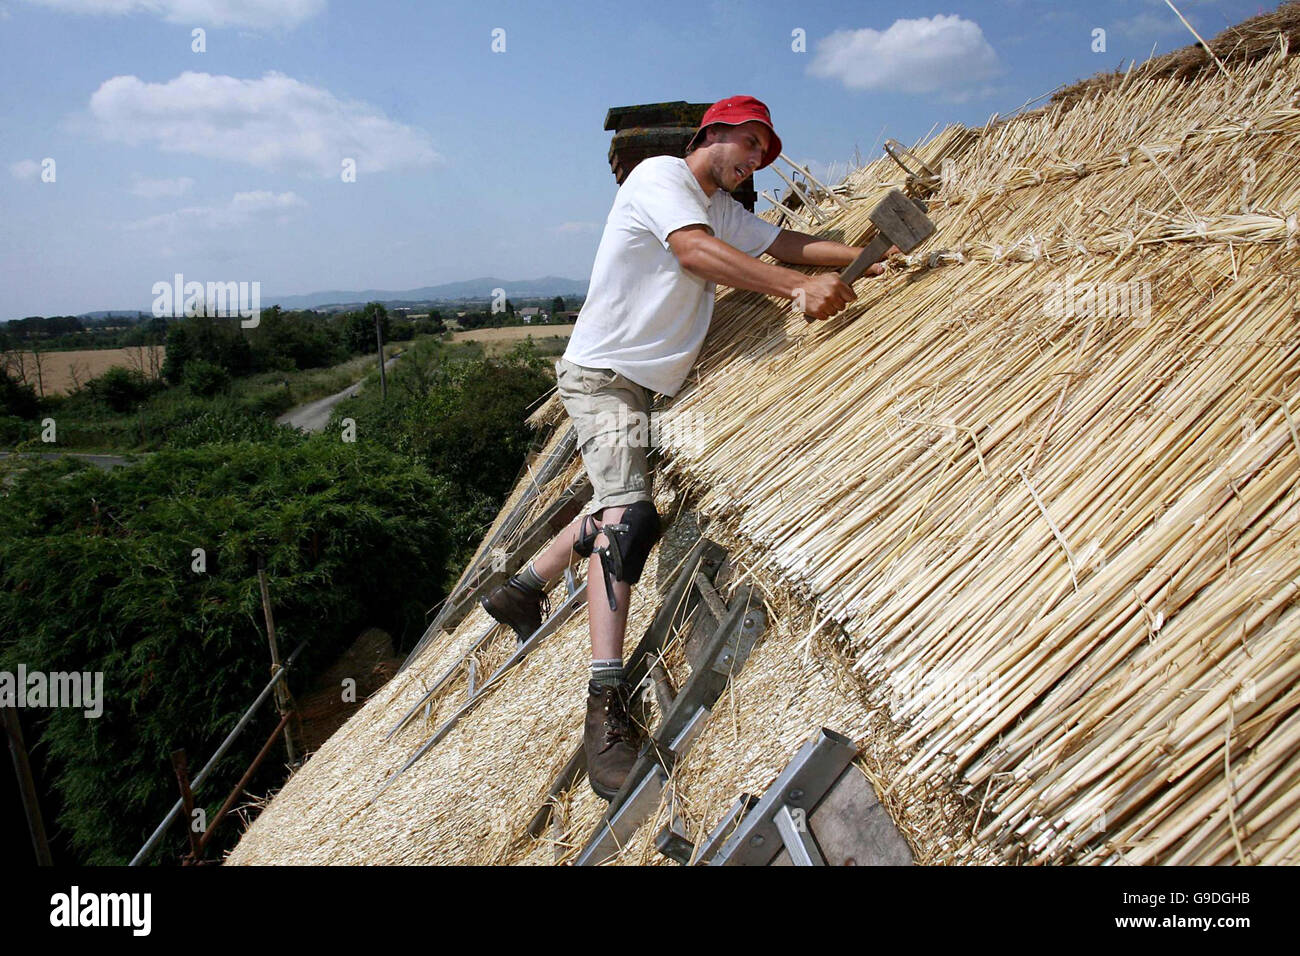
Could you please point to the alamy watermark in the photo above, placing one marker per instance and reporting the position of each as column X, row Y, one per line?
column 179, row 299
column 976, row 691
column 80, row 691
column 77, row 909
column 673, row 427
column 1106, row 300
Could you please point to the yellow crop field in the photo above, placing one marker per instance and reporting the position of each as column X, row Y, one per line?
column 61, row 372
column 513, row 333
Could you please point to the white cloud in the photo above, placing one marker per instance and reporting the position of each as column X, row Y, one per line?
column 578, row 228
column 162, row 188
column 263, row 14
column 25, row 169
column 943, row 53
column 242, row 209
column 275, row 122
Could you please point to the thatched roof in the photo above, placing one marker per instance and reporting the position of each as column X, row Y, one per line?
column 1042, row 563
column 1239, row 44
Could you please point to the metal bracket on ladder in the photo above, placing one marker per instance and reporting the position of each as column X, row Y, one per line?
column 820, row 810
column 763, row 832
column 675, row 845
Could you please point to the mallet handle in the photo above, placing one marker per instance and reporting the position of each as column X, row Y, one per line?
column 869, row 256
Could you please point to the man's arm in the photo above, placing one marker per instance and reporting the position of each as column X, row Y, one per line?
column 708, row 257
column 801, row 249
column 820, row 296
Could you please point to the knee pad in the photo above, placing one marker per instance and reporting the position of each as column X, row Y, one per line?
column 630, row 542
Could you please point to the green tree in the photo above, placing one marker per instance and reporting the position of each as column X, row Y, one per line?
column 17, row 400
column 359, row 328
column 120, row 389
column 206, row 379
column 219, row 341
column 97, row 574
column 464, row 421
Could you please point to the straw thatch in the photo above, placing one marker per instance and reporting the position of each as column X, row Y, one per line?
column 1241, row 43
column 1042, row 563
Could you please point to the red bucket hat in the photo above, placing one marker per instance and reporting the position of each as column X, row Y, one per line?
column 735, row 110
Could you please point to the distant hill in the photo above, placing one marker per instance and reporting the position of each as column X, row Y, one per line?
column 475, row 289
column 466, row 289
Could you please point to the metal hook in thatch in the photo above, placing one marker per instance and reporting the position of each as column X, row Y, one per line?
column 786, row 210
column 794, row 188
column 813, row 180
column 893, row 147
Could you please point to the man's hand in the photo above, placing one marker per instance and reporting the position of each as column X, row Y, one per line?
column 823, row 296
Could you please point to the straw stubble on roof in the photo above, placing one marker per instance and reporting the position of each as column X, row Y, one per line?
column 1042, row 565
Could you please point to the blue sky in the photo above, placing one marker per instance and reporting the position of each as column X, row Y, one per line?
column 226, row 164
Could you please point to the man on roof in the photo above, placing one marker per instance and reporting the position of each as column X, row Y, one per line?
column 674, row 232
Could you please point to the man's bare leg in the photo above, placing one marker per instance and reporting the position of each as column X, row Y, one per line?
column 607, row 627
column 552, row 561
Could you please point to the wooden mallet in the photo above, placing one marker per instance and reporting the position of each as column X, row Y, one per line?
column 899, row 221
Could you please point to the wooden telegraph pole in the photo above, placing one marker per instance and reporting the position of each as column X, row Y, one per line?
column 26, row 785
column 283, row 703
column 383, row 378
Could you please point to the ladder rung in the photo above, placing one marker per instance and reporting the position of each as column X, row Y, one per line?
column 712, row 600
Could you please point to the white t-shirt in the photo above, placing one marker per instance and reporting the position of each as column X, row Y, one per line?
column 645, row 316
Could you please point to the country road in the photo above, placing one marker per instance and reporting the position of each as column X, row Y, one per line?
column 313, row 416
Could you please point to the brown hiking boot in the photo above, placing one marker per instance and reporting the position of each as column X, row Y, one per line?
column 610, row 739
column 515, row 605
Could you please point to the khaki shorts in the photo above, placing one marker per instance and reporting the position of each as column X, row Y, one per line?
column 611, row 415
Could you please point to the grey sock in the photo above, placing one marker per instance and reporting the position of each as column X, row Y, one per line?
column 530, row 578
column 607, row 673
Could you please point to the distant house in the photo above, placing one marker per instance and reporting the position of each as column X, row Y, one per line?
column 568, row 316
column 530, row 313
